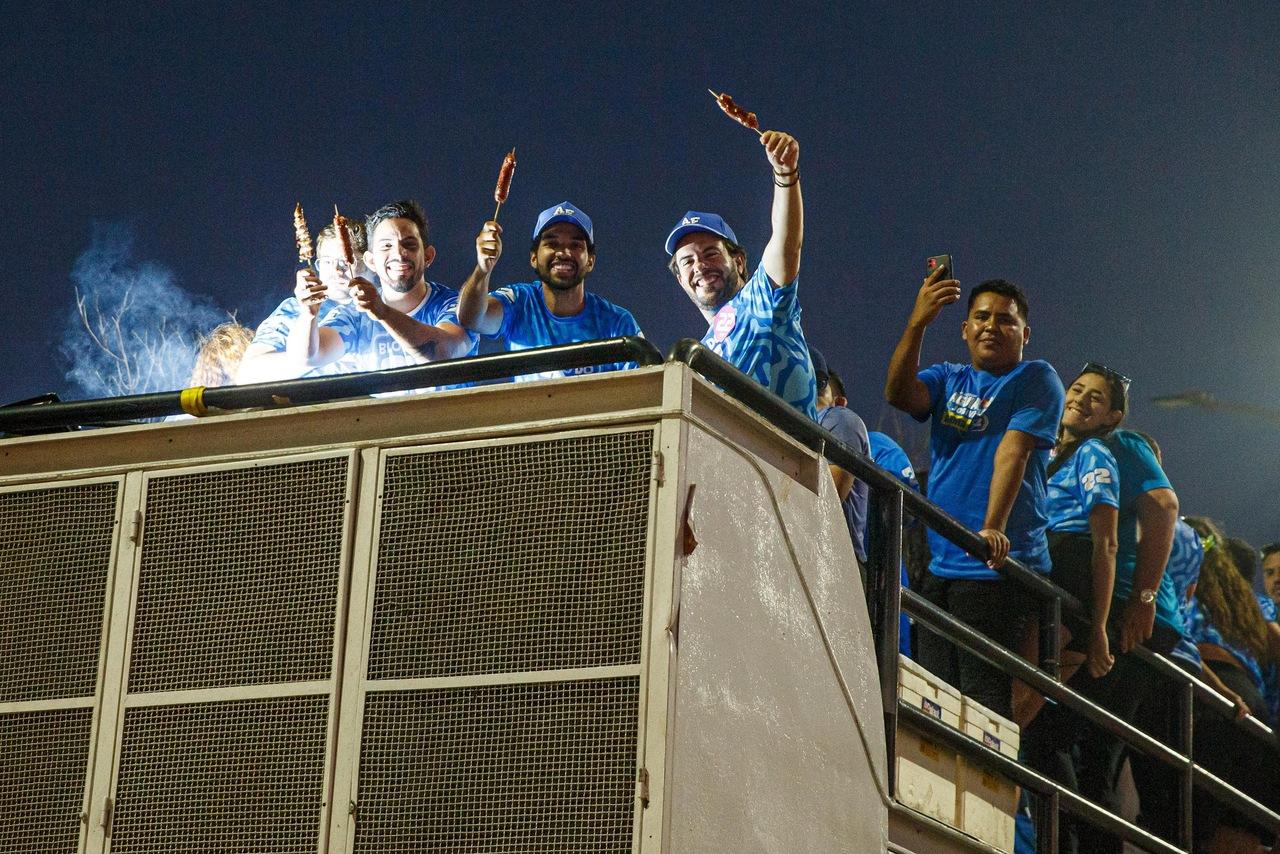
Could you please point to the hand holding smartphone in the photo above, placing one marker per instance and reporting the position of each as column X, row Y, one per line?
column 936, row 261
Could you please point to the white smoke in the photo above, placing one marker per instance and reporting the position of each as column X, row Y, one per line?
column 133, row 330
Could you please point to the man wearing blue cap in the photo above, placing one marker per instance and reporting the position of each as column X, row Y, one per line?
column 556, row 309
column 754, row 322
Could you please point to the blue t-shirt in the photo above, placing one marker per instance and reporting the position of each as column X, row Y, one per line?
column 1140, row 472
column 528, row 323
column 1271, row 673
column 1183, row 570
column 1087, row 479
column 274, row 333
column 369, row 343
column 758, row 332
column 889, row 455
column 845, row 424
column 1202, row 630
column 971, row 412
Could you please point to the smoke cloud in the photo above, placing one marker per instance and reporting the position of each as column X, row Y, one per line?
column 132, row 330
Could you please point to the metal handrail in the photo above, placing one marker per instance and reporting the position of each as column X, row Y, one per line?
column 79, row 413
column 782, row 415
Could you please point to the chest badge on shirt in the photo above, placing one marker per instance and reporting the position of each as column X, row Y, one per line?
column 726, row 318
column 966, row 412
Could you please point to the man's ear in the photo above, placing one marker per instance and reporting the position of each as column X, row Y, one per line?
column 368, row 259
column 1026, row 335
column 430, row 255
column 591, row 262
column 841, row 400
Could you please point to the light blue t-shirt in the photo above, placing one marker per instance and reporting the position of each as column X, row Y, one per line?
column 1183, row 570
column 889, row 455
column 758, row 332
column 528, row 323
column 846, row 426
column 373, row 348
column 1084, row 481
column 971, row 411
column 1140, row 472
column 274, row 333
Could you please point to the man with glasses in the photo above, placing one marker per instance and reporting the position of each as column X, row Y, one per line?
column 280, row 345
column 994, row 422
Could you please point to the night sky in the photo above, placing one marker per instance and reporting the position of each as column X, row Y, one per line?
column 1118, row 161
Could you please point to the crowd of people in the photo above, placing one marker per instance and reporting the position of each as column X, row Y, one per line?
column 1044, row 474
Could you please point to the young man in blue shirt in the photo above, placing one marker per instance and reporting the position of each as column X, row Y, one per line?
column 993, row 423
column 754, row 321
column 555, row 309
column 410, row 321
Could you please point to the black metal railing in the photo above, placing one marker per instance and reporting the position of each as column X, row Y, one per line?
column 470, row 369
column 889, row 499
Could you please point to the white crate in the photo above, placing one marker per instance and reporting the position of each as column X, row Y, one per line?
column 987, row 802
column 926, row 771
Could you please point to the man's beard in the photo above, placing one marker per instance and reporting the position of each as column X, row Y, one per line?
column 545, row 276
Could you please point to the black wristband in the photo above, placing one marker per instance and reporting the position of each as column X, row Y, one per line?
column 778, row 183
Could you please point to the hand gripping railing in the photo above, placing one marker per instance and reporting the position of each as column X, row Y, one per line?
column 80, row 413
column 885, row 517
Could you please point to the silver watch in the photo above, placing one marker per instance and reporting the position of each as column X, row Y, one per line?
column 1146, row 597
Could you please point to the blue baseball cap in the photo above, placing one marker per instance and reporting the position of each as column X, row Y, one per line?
column 699, row 221
column 820, row 371
column 564, row 212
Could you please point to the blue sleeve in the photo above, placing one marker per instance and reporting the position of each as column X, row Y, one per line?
column 274, row 331
column 1097, row 476
column 934, row 378
column 1144, row 470
column 1267, row 605
column 344, row 320
column 507, row 297
column 1038, row 407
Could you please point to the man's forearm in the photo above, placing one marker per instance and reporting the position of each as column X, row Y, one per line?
column 1006, row 478
column 473, row 303
column 782, row 254
column 1157, row 513
column 417, row 339
column 904, row 365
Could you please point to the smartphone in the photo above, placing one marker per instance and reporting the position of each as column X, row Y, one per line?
column 936, row 261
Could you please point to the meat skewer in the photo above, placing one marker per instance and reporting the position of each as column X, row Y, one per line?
column 503, row 187
column 737, row 112
column 340, row 226
column 306, row 253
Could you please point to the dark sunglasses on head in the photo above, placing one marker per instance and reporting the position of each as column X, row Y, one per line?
column 1095, row 368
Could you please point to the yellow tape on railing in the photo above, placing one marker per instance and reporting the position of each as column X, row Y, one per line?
column 192, row 401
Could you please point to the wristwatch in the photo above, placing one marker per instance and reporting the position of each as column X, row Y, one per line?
column 1146, row 597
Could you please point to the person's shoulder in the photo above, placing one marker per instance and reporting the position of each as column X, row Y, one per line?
column 439, row 291
column 1037, row 371
column 843, row 417
column 1094, row 448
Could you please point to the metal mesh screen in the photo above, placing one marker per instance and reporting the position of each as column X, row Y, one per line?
column 43, row 760
column 244, row 776
column 507, row 768
column 508, row 558
column 239, row 577
column 55, row 554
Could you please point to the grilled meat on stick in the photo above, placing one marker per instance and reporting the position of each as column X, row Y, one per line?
column 737, row 112
column 503, row 187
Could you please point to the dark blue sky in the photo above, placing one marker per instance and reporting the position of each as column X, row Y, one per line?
column 1118, row 161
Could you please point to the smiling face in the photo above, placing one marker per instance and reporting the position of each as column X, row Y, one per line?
column 707, row 271
column 561, row 257
column 1089, row 409
column 333, row 271
column 398, row 254
column 996, row 332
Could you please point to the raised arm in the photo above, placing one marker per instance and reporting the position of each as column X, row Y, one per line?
column 781, row 258
column 478, row 311
column 902, row 388
column 423, row 341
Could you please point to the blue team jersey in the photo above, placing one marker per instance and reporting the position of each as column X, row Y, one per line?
column 971, row 412
column 1183, row 570
column 528, row 323
column 274, row 333
column 1087, row 479
column 1140, row 472
column 758, row 332
column 1267, row 605
column 889, row 455
column 372, row 347
column 1271, row 674
column 845, row 424
column 1202, row 630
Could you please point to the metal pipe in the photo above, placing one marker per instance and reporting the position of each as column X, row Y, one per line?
column 319, row 389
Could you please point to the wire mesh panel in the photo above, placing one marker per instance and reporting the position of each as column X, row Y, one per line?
column 43, row 758
column 244, row 776
column 239, row 576
column 506, row 768
column 526, row 556
column 55, row 556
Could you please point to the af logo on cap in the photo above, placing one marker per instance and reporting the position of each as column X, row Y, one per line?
column 690, row 220
column 563, row 212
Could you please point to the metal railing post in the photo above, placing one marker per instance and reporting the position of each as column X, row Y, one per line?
column 884, row 556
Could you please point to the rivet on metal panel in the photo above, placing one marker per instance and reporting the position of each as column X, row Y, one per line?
column 135, row 532
column 642, row 787
column 351, row 808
